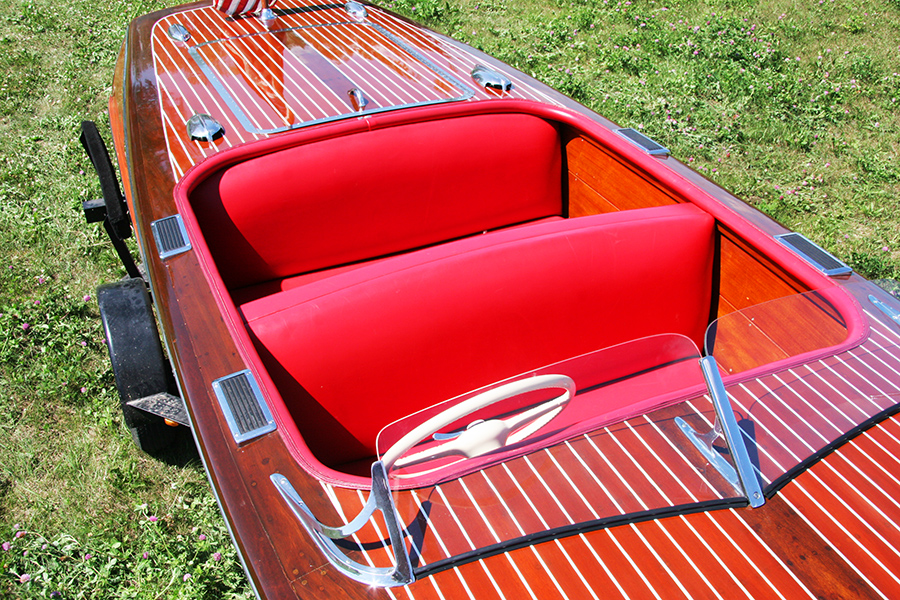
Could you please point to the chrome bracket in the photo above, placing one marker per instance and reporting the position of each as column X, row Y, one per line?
column 891, row 313
column 379, row 499
column 744, row 478
column 704, row 443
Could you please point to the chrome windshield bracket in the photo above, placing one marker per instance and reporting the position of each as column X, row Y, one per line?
column 744, row 478
column 704, row 443
column 379, row 499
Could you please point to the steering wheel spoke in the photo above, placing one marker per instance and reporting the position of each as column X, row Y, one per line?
column 482, row 436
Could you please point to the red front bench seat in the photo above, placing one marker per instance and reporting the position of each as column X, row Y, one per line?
column 353, row 352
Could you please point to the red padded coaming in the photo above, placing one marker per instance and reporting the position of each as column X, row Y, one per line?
column 375, row 193
column 356, row 351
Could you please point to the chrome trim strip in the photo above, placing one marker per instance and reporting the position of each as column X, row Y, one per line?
column 806, row 249
column 248, row 400
column 465, row 92
column 379, row 499
column 733, row 434
column 170, row 235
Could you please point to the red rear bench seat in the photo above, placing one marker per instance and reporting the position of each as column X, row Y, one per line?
column 353, row 352
column 353, row 198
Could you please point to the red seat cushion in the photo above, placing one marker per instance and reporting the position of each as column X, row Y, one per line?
column 353, row 352
column 371, row 194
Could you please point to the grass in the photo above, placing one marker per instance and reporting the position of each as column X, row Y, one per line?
column 792, row 106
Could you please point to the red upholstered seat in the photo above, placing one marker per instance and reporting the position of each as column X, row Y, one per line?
column 375, row 193
column 352, row 352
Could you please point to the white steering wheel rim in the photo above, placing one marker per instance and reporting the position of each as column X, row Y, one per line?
column 475, row 403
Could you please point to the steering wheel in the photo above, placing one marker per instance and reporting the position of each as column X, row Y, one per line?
column 483, row 436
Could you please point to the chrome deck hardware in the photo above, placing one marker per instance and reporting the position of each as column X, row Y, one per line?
column 379, row 499
column 643, row 142
column 489, row 78
column 170, row 235
column 179, row 32
column 892, row 313
column 203, row 128
column 243, row 405
column 744, row 479
column 814, row 254
column 358, row 99
column 356, row 10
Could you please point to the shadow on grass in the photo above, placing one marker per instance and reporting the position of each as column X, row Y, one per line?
column 181, row 451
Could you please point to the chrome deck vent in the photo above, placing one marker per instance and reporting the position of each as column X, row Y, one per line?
column 814, row 254
column 243, row 405
column 179, row 32
column 356, row 10
column 170, row 235
column 489, row 78
column 643, row 142
column 203, row 128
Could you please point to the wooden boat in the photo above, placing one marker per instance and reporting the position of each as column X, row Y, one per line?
column 441, row 332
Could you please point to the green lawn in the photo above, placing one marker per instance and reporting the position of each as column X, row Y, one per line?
column 795, row 107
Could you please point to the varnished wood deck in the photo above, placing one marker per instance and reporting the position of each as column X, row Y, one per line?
column 299, row 73
column 830, row 532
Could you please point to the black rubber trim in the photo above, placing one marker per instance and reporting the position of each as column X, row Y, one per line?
column 800, row 468
column 576, row 529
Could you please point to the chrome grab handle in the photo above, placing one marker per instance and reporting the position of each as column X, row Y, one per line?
column 744, row 479
column 379, row 499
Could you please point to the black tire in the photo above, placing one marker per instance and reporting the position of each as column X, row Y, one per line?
column 138, row 362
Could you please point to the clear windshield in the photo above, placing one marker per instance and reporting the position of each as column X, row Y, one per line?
column 772, row 331
column 611, row 385
column 638, row 440
column 801, row 386
column 613, row 452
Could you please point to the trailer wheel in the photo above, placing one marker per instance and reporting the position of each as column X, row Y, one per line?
column 138, row 363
